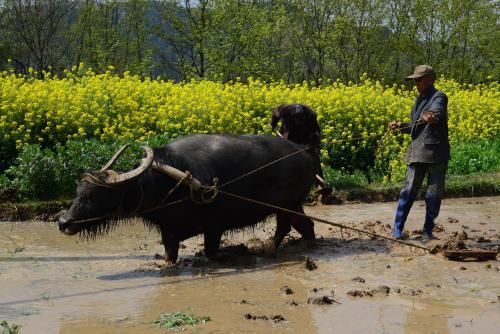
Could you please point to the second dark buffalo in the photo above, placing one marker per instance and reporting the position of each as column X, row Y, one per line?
column 262, row 168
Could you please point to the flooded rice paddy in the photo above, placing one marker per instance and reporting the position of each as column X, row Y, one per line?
column 51, row 283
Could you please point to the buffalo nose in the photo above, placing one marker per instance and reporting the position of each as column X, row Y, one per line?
column 62, row 223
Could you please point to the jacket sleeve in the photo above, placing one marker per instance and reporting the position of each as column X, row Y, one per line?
column 439, row 105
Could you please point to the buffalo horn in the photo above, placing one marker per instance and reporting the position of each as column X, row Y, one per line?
column 114, row 158
column 114, row 178
column 175, row 174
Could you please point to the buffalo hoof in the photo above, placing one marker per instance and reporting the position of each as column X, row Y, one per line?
column 170, row 262
column 171, row 265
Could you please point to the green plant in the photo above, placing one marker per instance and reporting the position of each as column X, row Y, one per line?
column 45, row 174
column 475, row 157
column 9, row 328
column 175, row 321
column 76, row 157
column 344, row 179
column 4, row 181
column 114, row 108
column 34, row 172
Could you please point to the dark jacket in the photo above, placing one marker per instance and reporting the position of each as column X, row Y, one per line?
column 429, row 141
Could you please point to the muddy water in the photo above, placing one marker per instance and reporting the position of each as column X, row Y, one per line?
column 51, row 283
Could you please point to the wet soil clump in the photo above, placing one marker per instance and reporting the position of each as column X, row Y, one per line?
column 274, row 318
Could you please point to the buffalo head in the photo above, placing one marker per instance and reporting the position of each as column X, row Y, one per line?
column 100, row 197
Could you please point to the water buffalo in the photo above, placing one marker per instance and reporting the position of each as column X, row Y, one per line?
column 153, row 191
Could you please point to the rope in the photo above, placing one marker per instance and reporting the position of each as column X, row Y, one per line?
column 266, row 165
column 214, row 189
column 324, row 221
column 165, row 205
column 171, row 191
column 377, row 148
column 389, row 131
column 83, row 221
column 218, row 191
column 380, row 142
column 94, row 180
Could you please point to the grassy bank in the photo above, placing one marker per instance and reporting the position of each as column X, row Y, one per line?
column 50, row 174
column 33, row 210
column 485, row 184
column 40, row 182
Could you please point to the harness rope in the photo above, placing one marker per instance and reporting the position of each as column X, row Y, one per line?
column 324, row 221
column 266, row 165
column 377, row 149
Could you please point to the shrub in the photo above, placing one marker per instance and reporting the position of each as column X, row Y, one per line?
column 34, row 173
column 344, row 179
column 106, row 107
column 475, row 157
column 77, row 157
column 43, row 174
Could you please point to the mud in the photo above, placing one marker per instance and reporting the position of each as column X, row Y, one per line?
column 50, row 283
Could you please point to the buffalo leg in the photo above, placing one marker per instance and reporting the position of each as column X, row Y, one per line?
column 303, row 225
column 212, row 242
column 171, row 244
column 283, row 227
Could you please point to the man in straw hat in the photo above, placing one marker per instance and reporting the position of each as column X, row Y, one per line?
column 428, row 153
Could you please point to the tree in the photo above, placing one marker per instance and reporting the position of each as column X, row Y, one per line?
column 311, row 24
column 287, row 40
column 111, row 33
column 184, row 27
column 38, row 27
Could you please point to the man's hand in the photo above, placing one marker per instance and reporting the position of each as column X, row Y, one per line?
column 394, row 125
column 429, row 117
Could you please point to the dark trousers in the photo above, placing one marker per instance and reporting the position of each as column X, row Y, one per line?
column 415, row 174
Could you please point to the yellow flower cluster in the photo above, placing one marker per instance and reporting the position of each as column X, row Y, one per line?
column 353, row 117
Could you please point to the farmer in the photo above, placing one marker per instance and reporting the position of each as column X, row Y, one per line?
column 428, row 153
column 299, row 123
